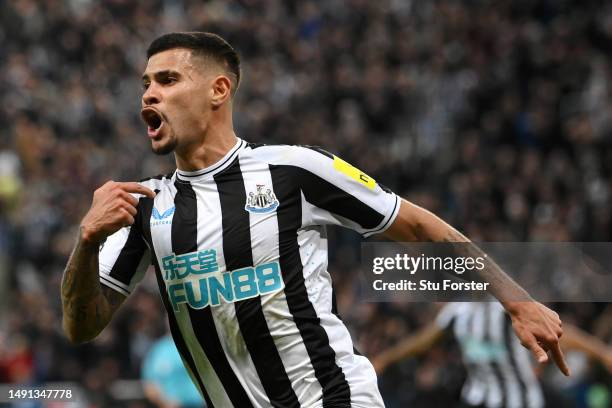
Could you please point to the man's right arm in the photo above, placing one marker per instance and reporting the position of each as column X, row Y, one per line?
column 87, row 305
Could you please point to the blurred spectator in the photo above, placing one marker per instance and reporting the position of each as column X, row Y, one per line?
column 165, row 380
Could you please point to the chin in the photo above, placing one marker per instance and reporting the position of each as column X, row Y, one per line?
column 164, row 148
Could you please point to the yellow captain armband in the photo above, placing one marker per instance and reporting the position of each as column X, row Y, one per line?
column 354, row 173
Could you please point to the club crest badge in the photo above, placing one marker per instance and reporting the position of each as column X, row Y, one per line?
column 261, row 202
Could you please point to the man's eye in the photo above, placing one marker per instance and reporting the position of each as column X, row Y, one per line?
column 145, row 86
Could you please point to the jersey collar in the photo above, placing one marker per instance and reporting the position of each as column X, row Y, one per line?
column 214, row 168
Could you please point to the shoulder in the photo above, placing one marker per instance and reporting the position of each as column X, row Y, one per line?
column 306, row 157
column 311, row 163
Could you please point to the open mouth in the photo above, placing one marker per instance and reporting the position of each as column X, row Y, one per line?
column 153, row 119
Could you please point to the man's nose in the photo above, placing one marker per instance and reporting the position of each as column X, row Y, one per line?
column 151, row 96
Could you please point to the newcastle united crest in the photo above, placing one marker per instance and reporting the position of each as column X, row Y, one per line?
column 262, row 201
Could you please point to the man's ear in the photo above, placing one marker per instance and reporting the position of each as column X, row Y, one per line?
column 221, row 91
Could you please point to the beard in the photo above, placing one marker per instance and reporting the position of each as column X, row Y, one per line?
column 165, row 148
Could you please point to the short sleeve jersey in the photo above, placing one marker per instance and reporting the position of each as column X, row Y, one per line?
column 240, row 256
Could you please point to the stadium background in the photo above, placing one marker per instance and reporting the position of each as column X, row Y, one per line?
column 494, row 114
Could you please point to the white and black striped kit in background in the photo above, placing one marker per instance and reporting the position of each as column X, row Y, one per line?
column 240, row 255
column 499, row 370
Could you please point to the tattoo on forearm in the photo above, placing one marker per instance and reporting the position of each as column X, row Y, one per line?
column 113, row 297
column 98, row 316
column 82, row 299
column 75, row 310
column 453, row 236
column 501, row 284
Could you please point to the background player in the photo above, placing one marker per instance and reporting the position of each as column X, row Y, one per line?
column 499, row 370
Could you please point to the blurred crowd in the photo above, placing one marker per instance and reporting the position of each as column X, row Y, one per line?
column 494, row 114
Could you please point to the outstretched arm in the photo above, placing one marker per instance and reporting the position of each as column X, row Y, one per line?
column 87, row 305
column 577, row 339
column 537, row 327
column 413, row 345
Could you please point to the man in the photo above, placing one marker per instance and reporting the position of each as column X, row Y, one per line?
column 499, row 372
column 237, row 238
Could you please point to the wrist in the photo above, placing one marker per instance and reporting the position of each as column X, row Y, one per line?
column 514, row 299
column 87, row 237
column 514, row 307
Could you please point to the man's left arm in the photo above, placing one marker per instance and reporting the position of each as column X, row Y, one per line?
column 537, row 327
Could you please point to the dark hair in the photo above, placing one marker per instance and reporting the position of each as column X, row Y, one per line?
column 201, row 43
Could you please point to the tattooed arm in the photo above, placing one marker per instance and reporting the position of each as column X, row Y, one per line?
column 538, row 327
column 414, row 223
column 87, row 305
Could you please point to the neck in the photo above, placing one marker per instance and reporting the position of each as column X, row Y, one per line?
column 217, row 140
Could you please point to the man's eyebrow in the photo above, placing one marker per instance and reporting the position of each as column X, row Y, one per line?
column 163, row 73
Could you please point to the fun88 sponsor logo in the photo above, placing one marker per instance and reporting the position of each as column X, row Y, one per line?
column 195, row 279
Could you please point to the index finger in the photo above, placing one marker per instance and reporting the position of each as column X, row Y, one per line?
column 136, row 188
column 557, row 355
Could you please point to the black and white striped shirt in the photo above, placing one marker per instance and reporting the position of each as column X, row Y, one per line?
column 240, row 254
column 499, row 370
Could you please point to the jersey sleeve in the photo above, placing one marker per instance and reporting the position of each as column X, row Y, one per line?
column 337, row 193
column 124, row 258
